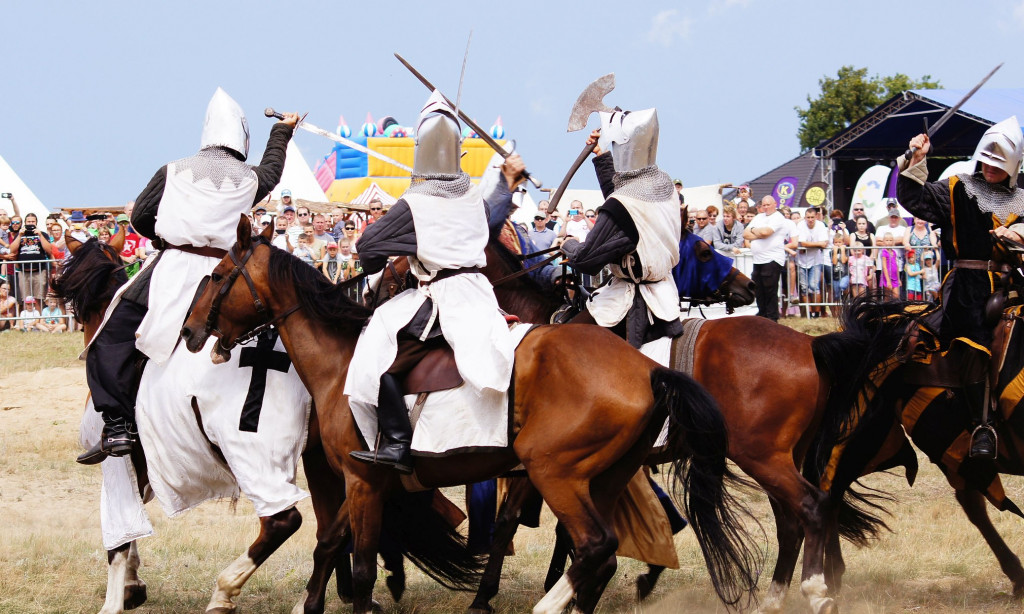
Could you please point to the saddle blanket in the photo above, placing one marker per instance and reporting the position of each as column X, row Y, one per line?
column 123, row 516
column 253, row 408
column 453, row 421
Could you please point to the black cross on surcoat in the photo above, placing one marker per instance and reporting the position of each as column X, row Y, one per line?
column 261, row 358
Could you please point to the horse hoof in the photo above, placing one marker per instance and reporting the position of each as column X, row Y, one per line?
column 643, row 587
column 828, row 606
column 396, row 586
column 134, row 596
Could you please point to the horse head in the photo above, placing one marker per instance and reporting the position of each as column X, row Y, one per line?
column 706, row 276
column 229, row 310
column 88, row 279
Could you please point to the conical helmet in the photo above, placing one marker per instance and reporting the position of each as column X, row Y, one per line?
column 225, row 125
column 1002, row 146
column 632, row 137
column 438, row 139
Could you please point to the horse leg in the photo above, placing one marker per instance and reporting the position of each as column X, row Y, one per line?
column 117, row 570
column 562, row 551
column 274, row 530
column 365, row 508
column 835, row 566
column 973, row 504
column 645, row 582
column 395, row 563
column 520, row 491
column 328, row 555
column 789, row 537
column 134, row 588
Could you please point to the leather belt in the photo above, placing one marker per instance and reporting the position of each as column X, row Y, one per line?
column 446, row 273
column 208, row 251
column 981, row 265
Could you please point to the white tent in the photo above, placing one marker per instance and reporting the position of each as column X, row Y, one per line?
column 375, row 191
column 27, row 201
column 298, row 178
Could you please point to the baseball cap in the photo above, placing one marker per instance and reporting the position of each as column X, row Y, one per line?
column 122, row 218
column 30, row 299
column 287, row 209
column 267, row 219
column 332, row 244
column 287, row 193
column 894, row 212
column 677, row 181
column 77, row 217
column 260, row 208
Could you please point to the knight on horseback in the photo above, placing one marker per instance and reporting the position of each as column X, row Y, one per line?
column 441, row 225
column 637, row 233
column 967, row 207
column 190, row 210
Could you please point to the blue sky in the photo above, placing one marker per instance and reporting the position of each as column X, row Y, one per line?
column 96, row 96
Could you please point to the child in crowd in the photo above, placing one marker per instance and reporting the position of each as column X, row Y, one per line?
column 914, row 277
column 304, row 250
column 840, row 270
column 862, row 270
column 30, row 314
column 338, row 266
column 930, row 277
column 889, row 267
column 8, row 307
column 52, row 317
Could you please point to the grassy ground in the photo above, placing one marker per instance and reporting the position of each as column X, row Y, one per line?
column 52, row 559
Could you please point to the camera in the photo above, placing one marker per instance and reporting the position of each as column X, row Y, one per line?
column 29, row 229
column 6, row 195
column 574, row 211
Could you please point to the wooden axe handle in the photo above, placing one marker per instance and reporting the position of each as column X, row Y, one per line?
column 557, row 196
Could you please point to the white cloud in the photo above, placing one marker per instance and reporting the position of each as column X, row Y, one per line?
column 667, row 26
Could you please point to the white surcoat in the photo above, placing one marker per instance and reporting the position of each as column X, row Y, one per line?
column 659, row 227
column 450, row 234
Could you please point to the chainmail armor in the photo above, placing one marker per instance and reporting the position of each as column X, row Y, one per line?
column 649, row 184
column 994, row 198
column 441, row 185
column 217, row 165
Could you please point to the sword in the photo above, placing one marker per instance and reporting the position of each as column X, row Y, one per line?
column 952, row 110
column 269, row 112
column 469, row 120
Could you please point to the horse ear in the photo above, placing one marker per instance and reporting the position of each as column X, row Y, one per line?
column 72, row 243
column 268, row 232
column 684, row 215
column 244, row 232
column 117, row 241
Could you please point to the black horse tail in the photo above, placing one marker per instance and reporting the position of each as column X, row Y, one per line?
column 698, row 441
column 872, row 335
column 428, row 539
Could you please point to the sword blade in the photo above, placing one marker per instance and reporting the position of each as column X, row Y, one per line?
column 350, row 143
column 952, row 110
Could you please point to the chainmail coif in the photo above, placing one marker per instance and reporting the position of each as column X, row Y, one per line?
column 994, row 198
column 649, row 184
column 441, row 185
column 217, row 165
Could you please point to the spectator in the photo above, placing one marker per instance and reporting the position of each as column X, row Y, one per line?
column 856, row 211
column 702, row 228
column 889, row 266
column 8, row 307
column 678, row 183
column 376, row 211
column 576, row 226
column 131, row 255
column 350, row 232
column 895, row 225
column 338, row 267
column 58, row 248
column 303, row 216
column 861, row 234
column 930, row 277
column 840, row 272
column 77, row 222
column 838, row 224
column 712, row 215
column 728, row 233
column 744, row 200
column 286, row 201
column 288, row 214
column 812, row 239
column 32, row 247
column 921, row 238
column 541, row 236
column 52, row 318
column 891, row 207
column 258, row 212
column 914, row 277
column 30, row 314
column 741, row 210
column 339, row 217
column 265, row 220
column 862, row 270
column 320, row 230
column 767, row 236
column 591, row 217
column 304, row 250
column 281, row 234
column 103, row 235
column 319, row 248
column 748, row 216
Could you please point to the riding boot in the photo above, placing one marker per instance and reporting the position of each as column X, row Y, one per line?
column 983, row 436
column 117, row 439
column 395, row 436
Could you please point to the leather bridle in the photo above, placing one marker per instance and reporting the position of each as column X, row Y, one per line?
column 262, row 309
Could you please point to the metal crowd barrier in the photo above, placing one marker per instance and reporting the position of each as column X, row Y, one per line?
column 22, row 282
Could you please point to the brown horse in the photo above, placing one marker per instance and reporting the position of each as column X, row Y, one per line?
column 772, row 392
column 579, row 460
column 87, row 283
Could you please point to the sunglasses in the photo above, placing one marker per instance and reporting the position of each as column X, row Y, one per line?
column 376, row 208
column 303, row 215
column 350, row 228
column 591, row 215
column 701, row 219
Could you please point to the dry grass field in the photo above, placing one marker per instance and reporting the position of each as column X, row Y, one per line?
column 52, row 560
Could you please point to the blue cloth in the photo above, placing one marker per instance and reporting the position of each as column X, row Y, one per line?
column 695, row 279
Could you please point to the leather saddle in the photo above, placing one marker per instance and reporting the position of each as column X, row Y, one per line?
column 435, row 371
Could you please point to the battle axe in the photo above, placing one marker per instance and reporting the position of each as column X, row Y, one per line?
column 480, row 132
column 591, row 100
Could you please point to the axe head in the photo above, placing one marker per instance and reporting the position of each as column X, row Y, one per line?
column 589, row 101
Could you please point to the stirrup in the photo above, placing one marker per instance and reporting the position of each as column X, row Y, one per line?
column 976, row 450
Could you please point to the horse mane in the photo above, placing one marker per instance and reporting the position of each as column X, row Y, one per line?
column 89, row 278
column 522, row 296
column 320, row 299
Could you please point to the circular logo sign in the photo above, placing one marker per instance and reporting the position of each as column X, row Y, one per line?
column 815, row 195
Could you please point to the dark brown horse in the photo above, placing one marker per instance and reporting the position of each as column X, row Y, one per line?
column 772, row 392
column 579, row 460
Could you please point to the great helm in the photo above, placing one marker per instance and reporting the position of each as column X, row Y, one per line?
column 632, row 136
column 438, row 139
column 225, row 125
column 1002, row 146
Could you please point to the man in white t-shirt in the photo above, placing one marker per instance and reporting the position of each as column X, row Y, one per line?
column 812, row 239
column 767, row 233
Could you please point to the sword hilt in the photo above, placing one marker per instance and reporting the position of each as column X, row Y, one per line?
column 270, row 112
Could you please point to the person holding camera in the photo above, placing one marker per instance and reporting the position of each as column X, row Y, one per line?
column 32, row 247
